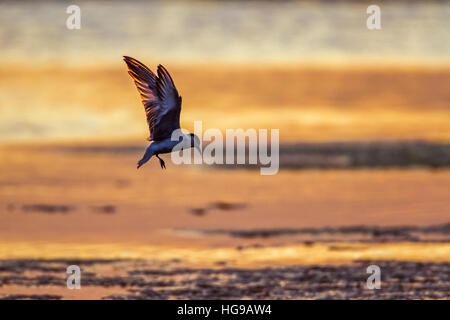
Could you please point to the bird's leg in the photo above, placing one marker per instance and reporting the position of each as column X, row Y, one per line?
column 161, row 162
column 148, row 154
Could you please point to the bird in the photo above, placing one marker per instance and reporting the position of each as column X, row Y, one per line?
column 162, row 105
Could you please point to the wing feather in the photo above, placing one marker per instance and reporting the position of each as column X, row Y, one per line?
column 160, row 97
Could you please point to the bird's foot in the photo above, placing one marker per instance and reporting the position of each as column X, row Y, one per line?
column 161, row 162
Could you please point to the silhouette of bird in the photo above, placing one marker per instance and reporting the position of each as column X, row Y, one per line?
column 162, row 105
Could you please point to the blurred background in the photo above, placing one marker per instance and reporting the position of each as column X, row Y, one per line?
column 312, row 69
column 364, row 120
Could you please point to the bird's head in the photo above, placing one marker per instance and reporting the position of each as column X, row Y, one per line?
column 195, row 142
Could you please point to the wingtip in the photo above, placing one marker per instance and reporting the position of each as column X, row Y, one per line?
column 162, row 71
column 129, row 60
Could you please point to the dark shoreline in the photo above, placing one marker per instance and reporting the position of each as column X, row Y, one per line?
column 302, row 155
column 145, row 280
column 404, row 232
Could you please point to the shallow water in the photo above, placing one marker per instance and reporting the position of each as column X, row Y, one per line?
column 252, row 64
column 57, row 196
column 218, row 31
column 305, row 104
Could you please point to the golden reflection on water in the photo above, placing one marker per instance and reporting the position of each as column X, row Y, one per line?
column 307, row 104
column 249, row 257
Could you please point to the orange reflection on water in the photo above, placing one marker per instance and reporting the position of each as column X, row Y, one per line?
column 304, row 103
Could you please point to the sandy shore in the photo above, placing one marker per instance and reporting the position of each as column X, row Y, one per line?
column 125, row 279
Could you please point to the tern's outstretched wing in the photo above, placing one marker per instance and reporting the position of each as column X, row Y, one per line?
column 160, row 98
